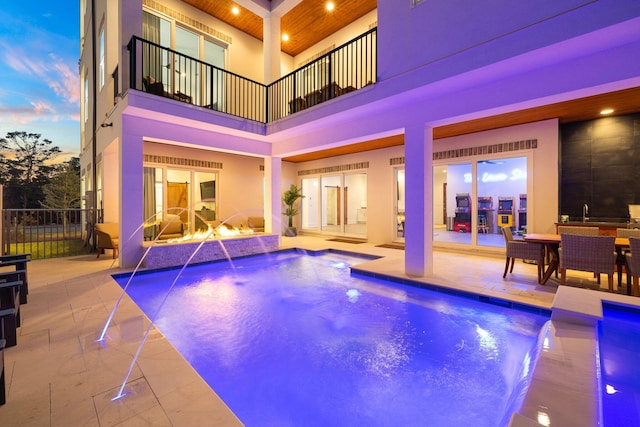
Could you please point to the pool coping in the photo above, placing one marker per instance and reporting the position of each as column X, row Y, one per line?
column 565, row 386
column 558, row 390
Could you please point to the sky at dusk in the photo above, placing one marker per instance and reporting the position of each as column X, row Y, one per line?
column 39, row 83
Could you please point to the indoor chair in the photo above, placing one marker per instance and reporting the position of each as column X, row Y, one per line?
column 170, row 228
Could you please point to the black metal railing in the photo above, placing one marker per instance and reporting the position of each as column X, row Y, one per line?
column 161, row 71
column 46, row 233
column 346, row 68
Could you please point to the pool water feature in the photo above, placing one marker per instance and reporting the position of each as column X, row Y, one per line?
column 619, row 342
column 289, row 339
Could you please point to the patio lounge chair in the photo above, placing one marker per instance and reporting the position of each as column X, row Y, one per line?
column 107, row 235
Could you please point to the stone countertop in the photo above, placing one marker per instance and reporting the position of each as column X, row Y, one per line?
column 599, row 222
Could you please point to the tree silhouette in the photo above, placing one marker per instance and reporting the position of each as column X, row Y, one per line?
column 63, row 189
column 25, row 169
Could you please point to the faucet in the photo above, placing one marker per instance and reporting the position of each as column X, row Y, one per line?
column 585, row 212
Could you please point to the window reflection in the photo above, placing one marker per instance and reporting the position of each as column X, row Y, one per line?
column 468, row 206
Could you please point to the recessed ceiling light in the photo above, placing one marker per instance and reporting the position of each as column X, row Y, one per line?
column 285, row 37
column 606, row 111
column 235, row 10
column 330, row 6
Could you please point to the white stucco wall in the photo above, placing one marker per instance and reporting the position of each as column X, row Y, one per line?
column 348, row 33
column 468, row 35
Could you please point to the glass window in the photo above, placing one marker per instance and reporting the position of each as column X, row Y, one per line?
column 310, row 207
column 186, row 73
column 399, row 207
column 205, row 185
column 213, row 84
column 178, row 194
column 500, row 184
column 101, row 60
column 85, row 94
column 453, row 186
column 157, row 62
column 355, row 204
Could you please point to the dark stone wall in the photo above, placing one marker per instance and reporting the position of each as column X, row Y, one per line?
column 600, row 166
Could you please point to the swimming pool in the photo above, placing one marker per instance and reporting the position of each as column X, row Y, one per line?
column 619, row 336
column 290, row 339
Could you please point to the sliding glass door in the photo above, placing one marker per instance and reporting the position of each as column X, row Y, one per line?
column 335, row 204
column 399, row 206
column 472, row 201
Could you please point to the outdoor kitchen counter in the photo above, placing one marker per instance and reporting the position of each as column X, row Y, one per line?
column 606, row 228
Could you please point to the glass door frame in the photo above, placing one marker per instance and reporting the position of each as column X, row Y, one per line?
column 474, row 161
column 343, row 216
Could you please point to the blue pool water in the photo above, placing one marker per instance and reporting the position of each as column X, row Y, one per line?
column 289, row 339
column 620, row 364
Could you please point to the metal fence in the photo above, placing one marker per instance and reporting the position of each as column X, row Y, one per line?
column 165, row 72
column 46, row 233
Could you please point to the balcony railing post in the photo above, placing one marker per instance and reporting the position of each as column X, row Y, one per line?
column 132, row 62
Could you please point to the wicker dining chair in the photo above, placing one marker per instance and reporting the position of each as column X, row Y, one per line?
column 519, row 249
column 633, row 263
column 627, row 232
column 596, row 254
column 578, row 231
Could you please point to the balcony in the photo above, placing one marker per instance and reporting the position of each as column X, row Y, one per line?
column 167, row 73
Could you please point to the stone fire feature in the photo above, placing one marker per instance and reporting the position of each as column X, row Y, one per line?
column 172, row 254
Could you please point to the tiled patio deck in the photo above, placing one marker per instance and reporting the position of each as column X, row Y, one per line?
column 58, row 375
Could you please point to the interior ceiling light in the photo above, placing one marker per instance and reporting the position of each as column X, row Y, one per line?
column 330, row 6
column 235, row 10
column 606, row 111
column 285, row 37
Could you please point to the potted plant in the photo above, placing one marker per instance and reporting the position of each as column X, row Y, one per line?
column 289, row 198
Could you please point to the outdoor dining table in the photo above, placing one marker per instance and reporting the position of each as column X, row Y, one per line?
column 552, row 244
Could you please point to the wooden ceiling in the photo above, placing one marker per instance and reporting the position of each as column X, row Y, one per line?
column 309, row 22
column 623, row 102
column 306, row 24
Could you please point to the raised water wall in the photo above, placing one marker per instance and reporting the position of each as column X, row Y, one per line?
column 172, row 254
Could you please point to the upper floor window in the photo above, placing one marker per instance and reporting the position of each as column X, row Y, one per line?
column 101, row 54
column 85, row 97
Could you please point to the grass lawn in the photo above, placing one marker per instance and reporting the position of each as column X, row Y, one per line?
column 50, row 249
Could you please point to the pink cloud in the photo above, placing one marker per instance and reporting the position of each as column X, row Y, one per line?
column 67, row 83
column 55, row 73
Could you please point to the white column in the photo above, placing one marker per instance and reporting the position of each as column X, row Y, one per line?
column 271, row 48
column 418, row 145
column 131, row 197
column 272, row 196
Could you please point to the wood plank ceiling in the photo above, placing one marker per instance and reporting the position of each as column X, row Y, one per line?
column 623, row 102
column 306, row 24
column 309, row 22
